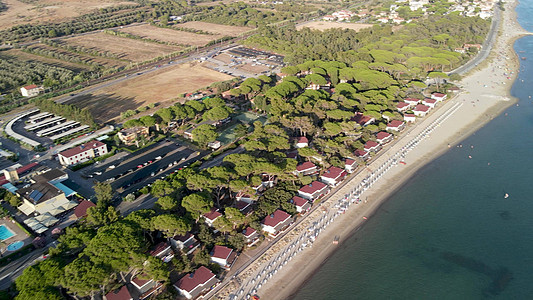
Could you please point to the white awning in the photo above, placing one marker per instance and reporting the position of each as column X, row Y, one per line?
column 26, row 209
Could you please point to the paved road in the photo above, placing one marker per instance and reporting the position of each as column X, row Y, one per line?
column 14, row 269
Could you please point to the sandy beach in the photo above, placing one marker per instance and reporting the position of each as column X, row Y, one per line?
column 485, row 93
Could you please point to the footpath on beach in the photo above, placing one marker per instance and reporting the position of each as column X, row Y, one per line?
column 303, row 249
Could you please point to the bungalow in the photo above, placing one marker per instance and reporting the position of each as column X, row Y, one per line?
column 223, row 256
column 438, row 96
column 468, row 46
column 129, row 135
column 460, row 50
column 429, row 102
column 421, row 110
column 146, row 286
column 244, row 207
column 30, row 90
column 395, row 125
column 350, row 165
column 211, row 216
column 409, row 118
column 187, row 242
column 411, row 101
column 313, row 191
column 119, row 294
column 307, row 168
column 244, row 197
column 194, row 284
column 162, row 251
column 276, row 222
column 384, row 137
column 453, row 89
column 362, row 154
column 302, row 205
column 251, row 235
column 81, row 210
column 302, row 142
column 363, row 120
column 372, row 146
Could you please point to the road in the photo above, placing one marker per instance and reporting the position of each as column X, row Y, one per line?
column 14, row 269
column 485, row 48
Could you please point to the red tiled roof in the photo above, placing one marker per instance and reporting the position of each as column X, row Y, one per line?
column 305, row 166
column 334, row 172
column 31, row 86
column 383, row 135
column 26, row 168
column 360, row 153
column 401, row 105
column 182, row 238
column 121, row 294
column 438, row 94
column 409, row 115
column 299, row 201
column 82, row 148
column 140, row 281
column 411, row 100
column 395, row 123
column 361, row 119
column 190, row 281
column 302, row 139
column 313, row 187
column 159, row 248
column 349, row 162
column 81, row 210
column 248, row 231
column 221, row 252
column 370, row 144
column 213, row 214
column 421, row 107
column 277, row 217
column 240, row 205
column 429, row 100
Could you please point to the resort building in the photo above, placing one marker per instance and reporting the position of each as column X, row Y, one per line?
column 223, row 256
column 211, row 216
column 409, row 118
column 306, row 168
column 438, row 96
column 372, row 146
column 301, row 204
column 187, row 243
column 350, row 165
column 195, row 284
column 421, row 110
column 82, row 153
column 146, row 286
column 395, row 125
column 162, row 251
column 333, row 176
column 411, row 101
column 313, row 191
column 276, row 222
column 119, row 294
column 302, row 142
column 30, row 90
column 251, row 235
column 129, row 136
column 384, row 137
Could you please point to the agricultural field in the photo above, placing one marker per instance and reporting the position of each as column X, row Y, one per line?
column 155, row 87
column 28, row 57
column 224, row 30
column 170, row 35
column 323, row 25
column 125, row 48
column 85, row 59
column 39, row 11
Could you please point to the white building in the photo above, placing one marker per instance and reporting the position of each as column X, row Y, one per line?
column 82, row 153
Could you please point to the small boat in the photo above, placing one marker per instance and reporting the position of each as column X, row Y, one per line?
column 336, row 240
column 523, row 58
column 506, row 196
column 403, row 163
column 365, row 218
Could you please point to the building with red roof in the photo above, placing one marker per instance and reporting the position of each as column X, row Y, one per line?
column 402, row 107
column 421, row 110
column 251, row 235
column 438, row 96
column 211, row 216
column 145, row 285
column 302, row 205
column 362, row 154
column 350, row 165
column 333, row 176
column 302, row 142
column 81, row 210
column 409, row 118
column 429, row 102
column 411, row 101
column 119, row 294
column 223, row 256
column 197, row 283
column 362, row 120
column 187, row 242
column 276, row 222
column 313, row 191
column 30, row 90
column 82, row 153
column 306, row 168
column 384, row 137
column 395, row 125
column 162, row 251
column 372, row 146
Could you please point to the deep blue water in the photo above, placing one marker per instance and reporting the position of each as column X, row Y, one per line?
column 449, row 233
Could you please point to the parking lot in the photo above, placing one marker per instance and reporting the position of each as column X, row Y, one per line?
column 143, row 167
column 245, row 62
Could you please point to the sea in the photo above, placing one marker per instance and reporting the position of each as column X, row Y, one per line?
column 450, row 232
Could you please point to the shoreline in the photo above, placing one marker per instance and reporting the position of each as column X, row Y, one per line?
column 298, row 272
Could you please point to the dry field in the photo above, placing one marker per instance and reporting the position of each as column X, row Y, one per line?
column 124, row 48
column 323, row 25
column 23, row 56
column 170, row 35
column 223, row 30
column 107, row 62
column 257, row 69
column 223, row 57
column 155, row 87
column 49, row 10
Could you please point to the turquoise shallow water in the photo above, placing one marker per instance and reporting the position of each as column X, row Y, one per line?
column 449, row 233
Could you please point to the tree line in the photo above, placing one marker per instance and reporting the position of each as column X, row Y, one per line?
column 67, row 111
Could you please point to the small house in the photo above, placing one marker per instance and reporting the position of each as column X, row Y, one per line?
column 223, row 256
column 313, row 191
column 362, row 154
column 187, row 243
column 211, row 216
column 350, row 165
column 306, row 168
column 333, row 176
column 429, row 102
column 395, row 125
column 251, row 235
column 372, row 146
column 30, row 90
column 363, row 120
column 409, row 118
column 301, row 204
column 197, row 283
column 438, row 96
column 276, row 222
column 302, row 142
column 162, row 251
column 411, row 101
column 146, row 286
column 384, row 137
column 119, row 294
column 421, row 110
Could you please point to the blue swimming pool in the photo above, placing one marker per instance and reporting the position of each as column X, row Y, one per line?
column 5, row 232
column 15, row 246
